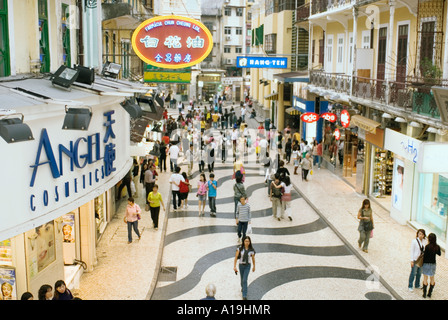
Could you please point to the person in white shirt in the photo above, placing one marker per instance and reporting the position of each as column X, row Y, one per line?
column 243, row 113
column 286, row 197
column 189, row 156
column 417, row 247
column 175, row 180
column 174, row 154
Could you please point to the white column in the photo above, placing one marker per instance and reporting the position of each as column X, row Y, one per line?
column 355, row 38
column 390, row 33
column 445, row 56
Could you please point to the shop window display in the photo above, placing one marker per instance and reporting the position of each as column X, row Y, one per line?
column 383, row 163
column 433, row 202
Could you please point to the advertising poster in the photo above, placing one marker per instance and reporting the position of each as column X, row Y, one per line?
column 5, row 253
column 41, row 250
column 8, row 290
column 68, row 227
column 397, row 184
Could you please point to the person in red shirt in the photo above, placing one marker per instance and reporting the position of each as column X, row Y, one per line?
column 184, row 189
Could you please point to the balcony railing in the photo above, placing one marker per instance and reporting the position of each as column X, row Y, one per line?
column 337, row 82
column 409, row 96
column 318, row 6
column 303, row 12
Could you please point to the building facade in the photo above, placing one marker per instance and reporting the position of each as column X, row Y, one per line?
column 60, row 175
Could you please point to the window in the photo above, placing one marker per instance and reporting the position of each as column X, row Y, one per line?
column 239, row 12
column 330, row 49
column 227, row 30
column 270, row 43
column 4, row 40
column 209, row 26
column 238, row 49
column 427, row 41
column 66, row 57
column 239, row 30
column 44, row 46
column 365, row 39
column 340, row 48
column 228, row 11
column 227, row 49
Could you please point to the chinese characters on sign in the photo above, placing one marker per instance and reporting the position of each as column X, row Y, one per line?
column 345, row 118
column 172, row 42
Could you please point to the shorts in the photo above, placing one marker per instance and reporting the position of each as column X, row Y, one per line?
column 429, row 269
column 296, row 163
column 202, row 197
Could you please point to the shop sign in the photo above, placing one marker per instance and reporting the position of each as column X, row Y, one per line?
column 309, row 117
column 167, row 77
column 345, row 118
column 329, row 116
column 172, row 41
column 261, row 62
column 402, row 145
column 96, row 149
column 337, row 134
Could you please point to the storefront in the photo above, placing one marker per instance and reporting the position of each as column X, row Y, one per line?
column 430, row 212
column 59, row 184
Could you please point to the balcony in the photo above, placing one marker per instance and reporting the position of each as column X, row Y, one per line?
column 409, row 96
column 319, row 6
column 338, row 82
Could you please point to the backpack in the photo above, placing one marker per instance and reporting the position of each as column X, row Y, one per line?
column 276, row 192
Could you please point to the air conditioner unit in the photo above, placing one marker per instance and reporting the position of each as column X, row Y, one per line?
column 229, row 61
column 227, row 1
column 228, row 38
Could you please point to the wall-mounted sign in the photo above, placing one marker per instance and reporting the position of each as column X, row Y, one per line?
column 261, row 62
column 309, row 117
column 337, row 134
column 329, row 116
column 167, row 77
column 345, row 118
column 172, row 42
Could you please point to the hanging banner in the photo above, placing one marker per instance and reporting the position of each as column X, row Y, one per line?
column 345, row 118
column 172, row 42
column 309, row 117
column 329, row 116
column 337, row 134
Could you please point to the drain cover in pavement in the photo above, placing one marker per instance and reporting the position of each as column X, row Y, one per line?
column 168, row 274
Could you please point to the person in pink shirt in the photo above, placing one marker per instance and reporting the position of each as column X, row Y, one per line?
column 132, row 216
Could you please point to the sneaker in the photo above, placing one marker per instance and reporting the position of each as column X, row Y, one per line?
column 411, row 290
column 290, row 218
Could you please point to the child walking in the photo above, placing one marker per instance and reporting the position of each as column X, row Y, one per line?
column 212, row 187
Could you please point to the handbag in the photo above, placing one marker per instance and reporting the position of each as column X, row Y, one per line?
column 419, row 261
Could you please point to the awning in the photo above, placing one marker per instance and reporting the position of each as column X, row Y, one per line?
column 292, row 111
column 365, row 123
column 297, row 76
column 273, row 96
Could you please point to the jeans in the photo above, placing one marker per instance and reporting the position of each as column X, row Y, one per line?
column 242, row 228
column 173, row 164
column 130, row 226
column 236, row 200
column 176, row 194
column 317, row 160
column 416, row 273
column 212, row 204
column 244, row 274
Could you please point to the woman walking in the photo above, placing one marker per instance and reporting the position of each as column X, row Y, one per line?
column 417, row 248
column 429, row 264
column 366, row 225
column 286, row 197
column 155, row 199
column 132, row 216
column 243, row 255
column 202, row 193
